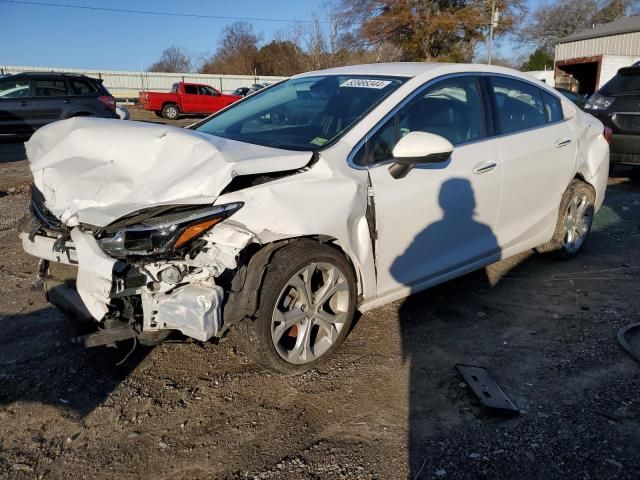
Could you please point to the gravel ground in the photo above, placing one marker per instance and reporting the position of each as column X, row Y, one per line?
column 389, row 405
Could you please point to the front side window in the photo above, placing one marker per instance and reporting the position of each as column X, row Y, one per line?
column 50, row 88
column 204, row 90
column 519, row 105
column 451, row 108
column 10, row 88
column 552, row 107
column 302, row 113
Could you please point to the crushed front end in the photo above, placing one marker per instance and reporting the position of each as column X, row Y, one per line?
column 151, row 272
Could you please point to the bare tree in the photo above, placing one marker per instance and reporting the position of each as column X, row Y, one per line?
column 172, row 60
column 237, row 51
column 280, row 57
column 554, row 21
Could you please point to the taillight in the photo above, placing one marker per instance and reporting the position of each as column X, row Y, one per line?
column 608, row 134
column 109, row 101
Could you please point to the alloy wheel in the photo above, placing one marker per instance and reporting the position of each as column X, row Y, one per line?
column 577, row 222
column 171, row 112
column 310, row 313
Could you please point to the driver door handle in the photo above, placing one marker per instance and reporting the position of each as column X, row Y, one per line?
column 484, row 167
column 563, row 142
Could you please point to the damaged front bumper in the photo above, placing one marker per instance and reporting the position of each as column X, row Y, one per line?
column 151, row 295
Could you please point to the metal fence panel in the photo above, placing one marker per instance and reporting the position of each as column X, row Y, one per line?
column 126, row 85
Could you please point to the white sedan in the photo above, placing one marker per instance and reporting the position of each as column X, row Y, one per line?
column 332, row 191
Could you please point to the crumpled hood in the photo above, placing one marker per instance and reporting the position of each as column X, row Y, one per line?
column 94, row 171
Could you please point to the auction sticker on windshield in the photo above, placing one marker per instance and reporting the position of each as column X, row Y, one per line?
column 365, row 83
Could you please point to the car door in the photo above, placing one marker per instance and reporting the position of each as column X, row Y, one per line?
column 15, row 101
column 212, row 100
column 51, row 96
column 538, row 152
column 438, row 221
column 191, row 99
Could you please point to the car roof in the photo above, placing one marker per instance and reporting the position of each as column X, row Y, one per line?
column 422, row 70
column 396, row 69
column 50, row 74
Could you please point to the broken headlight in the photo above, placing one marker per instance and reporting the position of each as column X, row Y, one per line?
column 161, row 230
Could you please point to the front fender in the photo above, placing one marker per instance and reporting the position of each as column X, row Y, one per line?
column 317, row 202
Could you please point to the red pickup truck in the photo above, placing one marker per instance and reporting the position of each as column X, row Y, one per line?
column 190, row 98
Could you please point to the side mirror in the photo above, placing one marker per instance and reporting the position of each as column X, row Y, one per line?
column 417, row 148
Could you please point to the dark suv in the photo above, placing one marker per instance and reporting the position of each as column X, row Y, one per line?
column 617, row 105
column 32, row 99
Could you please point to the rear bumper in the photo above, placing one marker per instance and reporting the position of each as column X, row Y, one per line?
column 109, row 114
column 625, row 149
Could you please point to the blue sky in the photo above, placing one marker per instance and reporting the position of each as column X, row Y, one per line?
column 38, row 35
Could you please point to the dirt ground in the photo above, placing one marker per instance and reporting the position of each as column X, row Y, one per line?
column 389, row 405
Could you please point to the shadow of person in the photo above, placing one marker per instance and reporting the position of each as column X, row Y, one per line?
column 455, row 240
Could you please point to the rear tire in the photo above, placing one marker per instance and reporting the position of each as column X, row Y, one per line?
column 575, row 218
column 306, row 308
column 170, row 111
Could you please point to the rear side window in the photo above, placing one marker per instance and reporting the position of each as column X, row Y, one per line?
column 10, row 88
column 519, row 105
column 50, row 88
column 191, row 89
column 81, row 87
column 552, row 107
column 626, row 82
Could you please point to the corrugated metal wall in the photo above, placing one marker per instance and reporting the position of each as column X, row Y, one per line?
column 124, row 84
column 627, row 44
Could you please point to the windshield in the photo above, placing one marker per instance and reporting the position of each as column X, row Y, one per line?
column 302, row 113
column 626, row 82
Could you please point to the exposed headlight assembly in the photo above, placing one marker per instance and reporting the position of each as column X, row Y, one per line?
column 149, row 234
column 598, row 102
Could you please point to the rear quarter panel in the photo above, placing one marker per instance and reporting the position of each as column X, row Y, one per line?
column 156, row 100
column 592, row 153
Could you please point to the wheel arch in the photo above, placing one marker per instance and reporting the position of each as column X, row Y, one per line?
column 243, row 299
column 167, row 103
column 81, row 113
column 582, row 178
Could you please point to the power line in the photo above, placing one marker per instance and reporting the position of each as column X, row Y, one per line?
column 152, row 12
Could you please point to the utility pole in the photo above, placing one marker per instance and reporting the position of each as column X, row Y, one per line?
column 495, row 15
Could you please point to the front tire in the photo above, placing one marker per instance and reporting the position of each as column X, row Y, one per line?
column 170, row 111
column 306, row 308
column 575, row 219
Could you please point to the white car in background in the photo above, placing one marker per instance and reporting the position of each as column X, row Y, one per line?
column 332, row 191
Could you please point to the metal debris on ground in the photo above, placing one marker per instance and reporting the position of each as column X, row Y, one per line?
column 486, row 388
